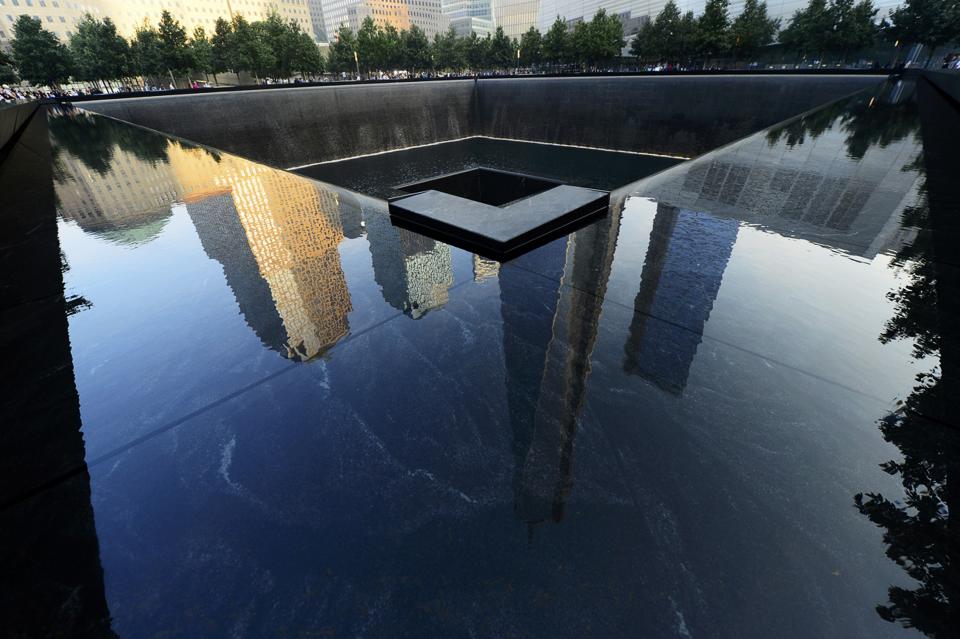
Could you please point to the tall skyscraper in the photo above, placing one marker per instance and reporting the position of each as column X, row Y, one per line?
column 516, row 16
column 61, row 16
column 470, row 16
column 401, row 14
column 316, row 19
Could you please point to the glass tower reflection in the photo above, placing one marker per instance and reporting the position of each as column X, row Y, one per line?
column 547, row 356
column 681, row 277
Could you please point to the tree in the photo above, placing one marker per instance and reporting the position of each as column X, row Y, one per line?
column 174, row 54
column 41, row 59
column 607, row 32
column 556, row 43
column 392, row 48
column 501, row 54
column 753, row 29
column 248, row 49
column 416, row 49
column 284, row 42
column 713, row 29
column 687, row 35
column 201, row 52
column 340, row 56
column 810, row 29
column 853, row 25
column 99, row 53
column 370, row 45
column 531, row 47
column 7, row 74
column 447, row 54
column 642, row 46
column 931, row 23
column 306, row 56
column 220, row 55
column 663, row 36
column 145, row 56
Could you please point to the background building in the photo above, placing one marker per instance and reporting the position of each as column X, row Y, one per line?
column 401, row 14
column 468, row 16
column 316, row 18
column 516, row 16
column 61, row 16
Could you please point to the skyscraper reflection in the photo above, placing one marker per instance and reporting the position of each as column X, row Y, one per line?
column 681, row 277
column 549, row 335
column 292, row 229
column 413, row 271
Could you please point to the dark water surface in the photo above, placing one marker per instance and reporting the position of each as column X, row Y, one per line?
column 377, row 175
column 242, row 404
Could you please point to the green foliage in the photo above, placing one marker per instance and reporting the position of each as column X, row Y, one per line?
column 810, row 29
column 447, row 54
column 306, row 60
column 932, row 23
column 556, row 42
column 713, row 29
column 531, row 47
column 753, row 29
column 174, row 53
column 145, row 52
column 201, row 51
column 98, row 52
column 599, row 40
column 370, row 45
column 41, row 59
column 7, row 73
column 416, row 49
column 392, row 47
column 502, row 53
column 838, row 27
column 248, row 48
column 220, row 56
column 854, row 26
column 340, row 57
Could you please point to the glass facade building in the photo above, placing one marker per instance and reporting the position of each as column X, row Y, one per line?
column 61, row 16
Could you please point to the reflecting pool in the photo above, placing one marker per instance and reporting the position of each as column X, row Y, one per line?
column 245, row 404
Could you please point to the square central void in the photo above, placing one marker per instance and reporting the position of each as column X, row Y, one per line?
column 487, row 186
column 492, row 186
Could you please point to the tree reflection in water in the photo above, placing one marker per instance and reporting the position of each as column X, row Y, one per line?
column 919, row 532
column 877, row 118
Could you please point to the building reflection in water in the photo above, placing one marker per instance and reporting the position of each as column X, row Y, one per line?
column 547, row 358
column 292, row 229
column 681, row 277
column 834, row 177
column 413, row 271
column 275, row 234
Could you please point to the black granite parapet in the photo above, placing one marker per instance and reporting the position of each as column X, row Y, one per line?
column 670, row 114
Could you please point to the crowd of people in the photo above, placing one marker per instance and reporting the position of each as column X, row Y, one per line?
column 26, row 94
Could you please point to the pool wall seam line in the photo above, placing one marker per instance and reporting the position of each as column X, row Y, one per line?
column 486, row 137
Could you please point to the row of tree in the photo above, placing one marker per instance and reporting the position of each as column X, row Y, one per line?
column 824, row 27
column 276, row 49
column 164, row 53
column 374, row 48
